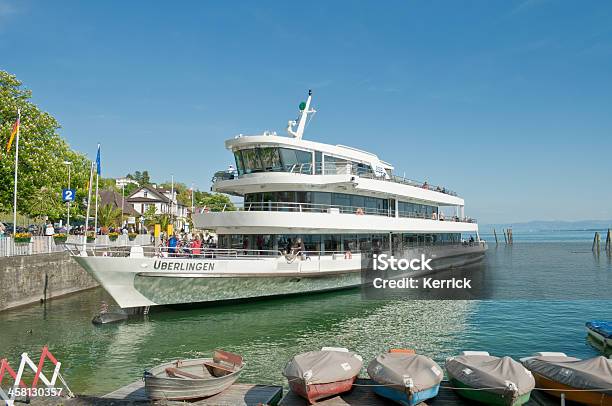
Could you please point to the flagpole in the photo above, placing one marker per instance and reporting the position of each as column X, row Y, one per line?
column 96, row 216
column 16, row 166
column 88, row 205
column 97, row 179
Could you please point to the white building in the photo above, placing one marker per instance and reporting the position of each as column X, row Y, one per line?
column 164, row 201
column 121, row 182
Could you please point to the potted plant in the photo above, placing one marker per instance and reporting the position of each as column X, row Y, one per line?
column 60, row 238
column 23, row 238
column 91, row 237
column 113, row 236
column 132, row 236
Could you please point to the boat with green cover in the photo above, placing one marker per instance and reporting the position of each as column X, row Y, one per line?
column 480, row 377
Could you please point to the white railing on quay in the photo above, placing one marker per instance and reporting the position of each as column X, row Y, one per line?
column 46, row 244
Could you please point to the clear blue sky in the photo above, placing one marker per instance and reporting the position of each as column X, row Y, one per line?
column 507, row 102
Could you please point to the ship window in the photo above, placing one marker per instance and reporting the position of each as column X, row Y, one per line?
column 371, row 206
column 239, row 164
column 322, row 198
column 342, row 200
column 270, row 159
column 251, row 160
column 358, row 201
column 294, row 160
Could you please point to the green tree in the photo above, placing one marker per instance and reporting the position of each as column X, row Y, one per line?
column 215, row 201
column 42, row 152
column 109, row 215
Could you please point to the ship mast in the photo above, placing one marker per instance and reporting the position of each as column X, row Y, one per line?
column 305, row 110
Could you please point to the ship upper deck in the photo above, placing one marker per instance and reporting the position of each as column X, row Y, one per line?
column 270, row 162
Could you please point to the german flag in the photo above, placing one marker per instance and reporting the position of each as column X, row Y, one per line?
column 12, row 137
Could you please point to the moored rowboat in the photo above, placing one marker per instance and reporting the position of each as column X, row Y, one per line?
column 193, row 378
column 321, row 374
column 483, row 378
column 600, row 331
column 588, row 382
column 405, row 377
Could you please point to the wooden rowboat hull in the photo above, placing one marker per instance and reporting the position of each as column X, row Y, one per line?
column 159, row 386
column 585, row 397
column 314, row 392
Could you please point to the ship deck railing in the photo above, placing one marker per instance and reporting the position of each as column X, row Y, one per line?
column 78, row 250
column 340, row 209
column 333, row 168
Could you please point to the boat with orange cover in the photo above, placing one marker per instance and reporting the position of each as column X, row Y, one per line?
column 316, row 375
column 588, row 382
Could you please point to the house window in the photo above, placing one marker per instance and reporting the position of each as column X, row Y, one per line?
column 146, row 194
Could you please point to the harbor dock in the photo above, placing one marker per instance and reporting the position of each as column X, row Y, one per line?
column 250, row 394
column 237, row 394
column 362, row 395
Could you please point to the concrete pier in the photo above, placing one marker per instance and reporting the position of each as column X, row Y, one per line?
column 29, row 279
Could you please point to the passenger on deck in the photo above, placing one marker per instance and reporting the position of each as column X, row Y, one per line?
column 172, row 245
column 196, row 246
column 425, row 185
column 434, row 216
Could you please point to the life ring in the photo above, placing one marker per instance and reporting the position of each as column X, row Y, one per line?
column 359, row 211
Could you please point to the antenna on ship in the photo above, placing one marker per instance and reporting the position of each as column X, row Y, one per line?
column 305, row 110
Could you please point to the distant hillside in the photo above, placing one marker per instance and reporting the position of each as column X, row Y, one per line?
column 540, row 225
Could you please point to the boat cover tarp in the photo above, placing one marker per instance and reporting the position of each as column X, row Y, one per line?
column 486, row 371
column 593, row 373
column 602, row 327
column 400, row 370
column 317, row 367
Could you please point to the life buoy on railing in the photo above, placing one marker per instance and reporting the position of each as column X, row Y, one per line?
column 359, row 211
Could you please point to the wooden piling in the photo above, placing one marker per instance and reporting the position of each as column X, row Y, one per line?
column 505, row 236
column 510, row 236
column 596, row 242
column 495, row 234
column 608, row 242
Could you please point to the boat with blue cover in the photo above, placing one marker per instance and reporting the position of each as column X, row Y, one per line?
column 601, row 331
column 405, row 377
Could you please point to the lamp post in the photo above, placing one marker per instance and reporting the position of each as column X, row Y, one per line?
column 122, row 202
column 69, row 165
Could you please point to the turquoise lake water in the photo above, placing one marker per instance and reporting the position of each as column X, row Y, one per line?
column 98, row 359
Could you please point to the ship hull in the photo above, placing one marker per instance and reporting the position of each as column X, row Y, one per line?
column 139, row 282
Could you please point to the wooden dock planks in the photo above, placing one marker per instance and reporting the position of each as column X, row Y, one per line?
column 237, row 394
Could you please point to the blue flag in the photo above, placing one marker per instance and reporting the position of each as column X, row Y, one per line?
column 98, row 167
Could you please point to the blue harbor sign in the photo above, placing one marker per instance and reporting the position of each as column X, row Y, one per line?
column 68, row 195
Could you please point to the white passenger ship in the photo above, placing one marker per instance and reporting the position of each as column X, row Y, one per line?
column 310, row 212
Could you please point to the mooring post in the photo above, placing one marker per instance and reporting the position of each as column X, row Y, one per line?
column 596, row 242
column 505, row 236
column 608, row 242
column 495, row 234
